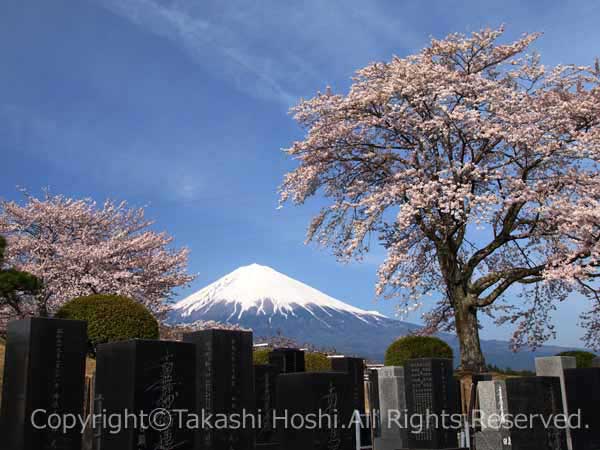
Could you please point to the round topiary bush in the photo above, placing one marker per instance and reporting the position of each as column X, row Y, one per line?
column 411, row 347
column 317, row 362
column 584, row 359
column 111, row 318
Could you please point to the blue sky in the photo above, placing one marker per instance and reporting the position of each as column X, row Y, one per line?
column 183, row 106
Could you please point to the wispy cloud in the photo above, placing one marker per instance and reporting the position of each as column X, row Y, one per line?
column 223, row 47
column 270, row 50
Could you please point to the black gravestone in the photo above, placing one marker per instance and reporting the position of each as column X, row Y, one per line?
column 326, row 393
column 529, row 399
column 265, row 389
column 287, row 360
column 431, row 400
column 44, row 370
column 583, row 398
column 355, row 367
column 374, row 402
column 140, row 383
column 225, row 387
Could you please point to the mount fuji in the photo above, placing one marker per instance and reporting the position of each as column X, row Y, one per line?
column 271, row 303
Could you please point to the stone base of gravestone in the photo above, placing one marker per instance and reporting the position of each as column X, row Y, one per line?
column 44, row 370
column 328, row 394
column 583, row 397
column 142, row 376
column 269, row 446
column 488, row 440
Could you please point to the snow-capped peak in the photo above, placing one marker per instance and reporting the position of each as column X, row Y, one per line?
column 254, row 286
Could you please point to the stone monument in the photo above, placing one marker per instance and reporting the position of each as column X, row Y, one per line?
column 555, row 366
column 44, row 372
column 224, row 386
column 148, row 378
column 583, row 398
column 325, row 395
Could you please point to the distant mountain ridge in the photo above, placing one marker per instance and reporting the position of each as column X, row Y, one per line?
column 271, row 303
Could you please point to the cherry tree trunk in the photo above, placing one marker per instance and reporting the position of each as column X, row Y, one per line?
column 467, row 329
column 471, row 357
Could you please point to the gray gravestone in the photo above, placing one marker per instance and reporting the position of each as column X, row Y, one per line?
column 536, row 398
column 583, row 395
column 44, row 370
column 555, row 366
column 596, row 362
column 392, row 409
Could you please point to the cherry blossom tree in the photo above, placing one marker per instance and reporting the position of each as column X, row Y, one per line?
column 476, row 167
column 76, row 247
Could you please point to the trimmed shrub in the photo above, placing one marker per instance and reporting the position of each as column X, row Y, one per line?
column 260, row 356
column 584, row 359
column 411, row 347
column 111, row 318
column 317, row 362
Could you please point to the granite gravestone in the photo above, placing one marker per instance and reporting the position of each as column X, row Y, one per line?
column 355, row 368
column 431, row 391
column 44, row 371
column 327, row 396
column 265, row 388
column 596, row 362
column 373, row 396
column 225, row 386
column 287, row 360
column 536, row 399
column 145, row 377
column 392, row 409
column 583, row 398
column 555, row 366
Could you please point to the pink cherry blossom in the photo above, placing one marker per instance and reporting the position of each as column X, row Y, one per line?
column 477, row 169
column 76, row 248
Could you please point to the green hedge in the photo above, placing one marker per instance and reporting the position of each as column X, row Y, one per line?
column 261, row 356
column 411, row 347
column 317, row 362
column 584, row 359
column 111, row 318
column 314, row 361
